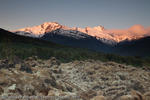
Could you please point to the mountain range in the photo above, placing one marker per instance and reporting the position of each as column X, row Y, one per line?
column 133, row 41
column 134, row 32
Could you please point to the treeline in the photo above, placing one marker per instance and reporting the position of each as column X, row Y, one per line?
column 10, row 49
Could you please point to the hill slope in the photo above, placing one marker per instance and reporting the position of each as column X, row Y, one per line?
column 80, row 80
column 140, row 47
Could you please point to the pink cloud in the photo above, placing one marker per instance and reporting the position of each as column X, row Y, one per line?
column 135, row 29
column 138, row 29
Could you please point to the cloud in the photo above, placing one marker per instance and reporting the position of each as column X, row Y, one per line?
column 138, row 29
column 135, row 29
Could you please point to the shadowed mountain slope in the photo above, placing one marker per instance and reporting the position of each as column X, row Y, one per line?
column 140, row 47
column 76, row 39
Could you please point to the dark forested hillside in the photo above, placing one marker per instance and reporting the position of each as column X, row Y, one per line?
column 140, row 47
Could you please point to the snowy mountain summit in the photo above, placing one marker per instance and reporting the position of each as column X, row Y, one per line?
column 99, row 32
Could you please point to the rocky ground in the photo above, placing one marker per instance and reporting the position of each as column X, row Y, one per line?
column 36, row 79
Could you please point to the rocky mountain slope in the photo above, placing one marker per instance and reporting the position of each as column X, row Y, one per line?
column 76, row 39
column 48, row 28
column 134, row 32
column 77, row 80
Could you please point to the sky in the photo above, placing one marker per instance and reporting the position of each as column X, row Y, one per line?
column 112, row 14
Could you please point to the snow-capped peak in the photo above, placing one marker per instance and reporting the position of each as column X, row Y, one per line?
column 41, row 29
column 99, row 28
column 49, row 24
